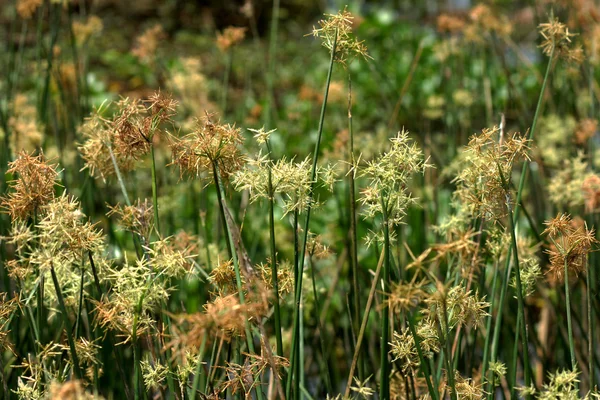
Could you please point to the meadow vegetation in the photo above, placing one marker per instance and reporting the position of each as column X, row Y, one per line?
column 393, row 204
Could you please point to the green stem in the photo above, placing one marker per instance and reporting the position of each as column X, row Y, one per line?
column 196, row 381
column 384, row 389
column 274, row 277
column 591, row 321
column 517, row 209
column 155, row 191
column 320, row 327
column 520, row 300
column 424, row 365
column 65, row 318
column 569, row 321
column 271, row 62
column 313, row 176
column 353, row 230
column 236, row 266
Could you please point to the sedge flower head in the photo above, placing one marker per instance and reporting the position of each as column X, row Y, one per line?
column 338, row 28
column 33, row 188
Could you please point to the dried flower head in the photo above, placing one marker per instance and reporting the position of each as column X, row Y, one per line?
column 403, row 348
column 137, row 218
column 33, row 188
column 585, row 130
column 338, row 28
column 362, row 389
column 146, row 45
column 557, row 40
column 83, row 31
column 230, row 37
column 571, row 244
column 285, row 276
column 210, row 144
column 467, row 389
column 26, row 132
column 485, row 163
column 26, row 8
column 591, row 192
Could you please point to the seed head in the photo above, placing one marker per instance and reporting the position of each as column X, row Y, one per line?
column 230, row 37
column 33, row 188
column 557, row 38
column 571, row 242
column 347, row 45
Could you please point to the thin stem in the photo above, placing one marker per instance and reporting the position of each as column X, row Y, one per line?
column 591, row 321
column 424, row 366
column 569, row 321
column 155, row 191
column 363, row 325
column 236, row 266
column 274, row 277
column 384, row 389
column 517, row 209
column 298, row 293
column 320, row 326
column 118, row 173
column 353, row 235
column 520, row 300
column 65, row 318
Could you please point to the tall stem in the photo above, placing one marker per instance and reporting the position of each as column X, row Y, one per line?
column 517, row 209
column 155, row 191
column 274, row 277
column 569, row 321
column 353, row 234
column 65, row 318
column 384, row 389
column 313, row 176
column 236, row 266
column 520, row 300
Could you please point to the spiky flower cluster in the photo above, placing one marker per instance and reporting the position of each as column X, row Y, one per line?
column 571, row 241
column 389, row 177
column 456, row 306
column 137, row 218
column 403, row 347
column 557, row 39
column 33, row 188
column 339, row 26
column 154, row 374
column 127, row 136
column 209, row 145
column 289, row 179
column 486, row 162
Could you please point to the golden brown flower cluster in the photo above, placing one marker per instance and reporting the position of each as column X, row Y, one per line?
column 230, row 37
column 33, row 188
column 209, row 145
column 127, row 136
column 571, row 243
